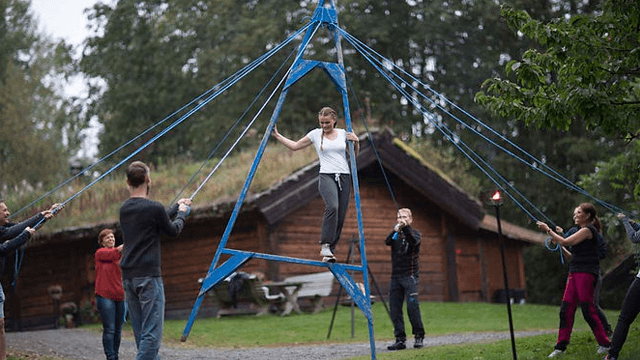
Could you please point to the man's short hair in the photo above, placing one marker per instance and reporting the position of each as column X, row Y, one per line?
column 137, row 173
column 103, row 234
column 406, row 210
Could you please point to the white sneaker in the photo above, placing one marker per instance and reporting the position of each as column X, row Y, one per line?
column 329, row 259
column 326, row 250
column 602, row 349
column 556, row 353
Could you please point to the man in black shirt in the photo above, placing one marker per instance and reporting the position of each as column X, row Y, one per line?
column 143, row 221
column 405, row 251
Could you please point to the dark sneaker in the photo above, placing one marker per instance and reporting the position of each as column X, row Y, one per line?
column 398, row 345
column 418, row 343
column 609, row 358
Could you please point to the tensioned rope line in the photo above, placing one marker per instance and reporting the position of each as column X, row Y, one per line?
column 237, row 75
column 264, row 105
column 373, row 145
column 241, row 74
column 450, row 136
column 453, row 139
column 233, row 79
column 430, row 116
column 558, row 177
column 228, row 133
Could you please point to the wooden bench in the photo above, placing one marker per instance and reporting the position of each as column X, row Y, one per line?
column 252, row 298
column 314, row 287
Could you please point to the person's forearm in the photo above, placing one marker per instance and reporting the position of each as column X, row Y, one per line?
column 633, row 235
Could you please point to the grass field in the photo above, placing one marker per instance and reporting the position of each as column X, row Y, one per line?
column 439, row 319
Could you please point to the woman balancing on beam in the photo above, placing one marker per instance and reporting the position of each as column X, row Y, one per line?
column 334, row 181
column 583, row 274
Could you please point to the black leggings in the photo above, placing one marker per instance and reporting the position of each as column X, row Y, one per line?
column 630, row 309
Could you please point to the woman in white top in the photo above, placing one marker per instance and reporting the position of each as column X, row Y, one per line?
column 334, row 179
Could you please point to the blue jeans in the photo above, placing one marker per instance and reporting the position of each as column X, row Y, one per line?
column 402, row 288
column 112, row 316
column 145, row 304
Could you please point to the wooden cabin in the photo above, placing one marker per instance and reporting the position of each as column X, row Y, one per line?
column 460, row 256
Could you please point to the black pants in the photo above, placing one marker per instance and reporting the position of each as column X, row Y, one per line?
column 629, row 312
column 405, row 288
column 596, row 302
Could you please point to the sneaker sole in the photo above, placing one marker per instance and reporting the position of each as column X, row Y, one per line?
column 329, row 259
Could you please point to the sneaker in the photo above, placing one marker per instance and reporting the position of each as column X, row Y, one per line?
column 325, row 250
column 609, row 358
column 398, row 345
column 418, row 342
column 556, row 353
column 602, row 349
column 329, row 259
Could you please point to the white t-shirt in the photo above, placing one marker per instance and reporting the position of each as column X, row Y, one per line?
column 333, row 158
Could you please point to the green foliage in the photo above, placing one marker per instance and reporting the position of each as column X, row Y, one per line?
column 40, row 128
column 440, row 318
column 101, row 202
column 580, row 79
column 585, row 69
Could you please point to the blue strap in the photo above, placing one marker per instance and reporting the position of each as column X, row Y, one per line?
column 386, row 63
column 558, row 248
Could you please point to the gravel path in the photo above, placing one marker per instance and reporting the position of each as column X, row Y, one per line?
column 80, row 344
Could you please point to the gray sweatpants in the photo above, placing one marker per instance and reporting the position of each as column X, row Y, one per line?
column 335, row 190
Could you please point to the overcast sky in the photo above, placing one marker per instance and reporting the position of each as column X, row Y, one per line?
column 64, row 19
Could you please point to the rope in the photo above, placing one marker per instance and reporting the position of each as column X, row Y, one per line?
column 217, row 89
column 455, row 142
column 558, row 248
column 230, row 81
column 373, row 146
column 559, row 178
column 228, row 133
column 284, row 78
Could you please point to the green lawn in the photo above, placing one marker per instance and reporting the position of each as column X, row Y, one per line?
column 439, row 319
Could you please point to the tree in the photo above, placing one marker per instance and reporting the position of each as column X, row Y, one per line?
column 40, row 129
column 587, row 69
column 583, row 74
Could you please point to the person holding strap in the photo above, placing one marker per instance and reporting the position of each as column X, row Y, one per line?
column 109, row 292
column 143, row 221
column 584, row 270
column 12, row 236
column 405, row 251
column 631, row 302
column 334, row 181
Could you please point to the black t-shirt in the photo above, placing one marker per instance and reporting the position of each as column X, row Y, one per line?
column 585, row 257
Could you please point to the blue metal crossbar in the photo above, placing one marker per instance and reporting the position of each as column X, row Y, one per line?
column 325, row 16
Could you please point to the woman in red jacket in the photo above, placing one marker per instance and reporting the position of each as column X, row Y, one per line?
column 109, row 292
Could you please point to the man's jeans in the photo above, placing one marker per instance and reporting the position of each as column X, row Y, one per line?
column 112, row 316
column 405, row 288
column 145, row 303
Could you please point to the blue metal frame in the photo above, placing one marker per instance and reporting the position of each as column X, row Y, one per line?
column 324, row 16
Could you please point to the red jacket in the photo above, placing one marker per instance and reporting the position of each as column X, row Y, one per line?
column 108, row 274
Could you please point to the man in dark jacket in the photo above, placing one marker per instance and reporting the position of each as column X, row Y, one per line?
column 12, row 236
column 405, row 251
